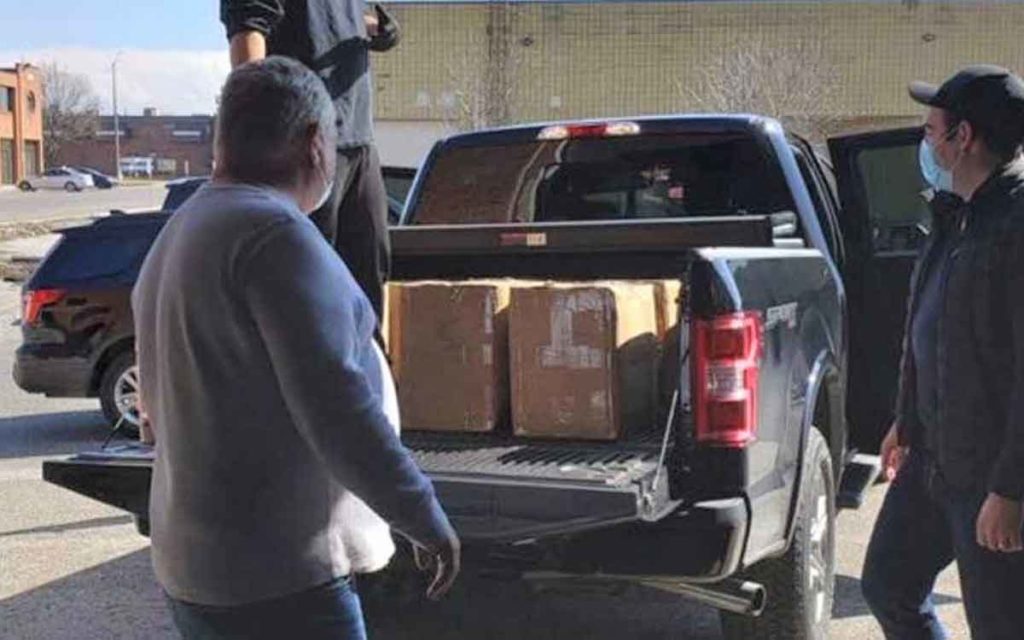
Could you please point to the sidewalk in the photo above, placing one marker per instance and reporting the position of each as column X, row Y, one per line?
column 19, row 257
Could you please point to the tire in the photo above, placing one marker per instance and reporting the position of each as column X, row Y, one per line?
column 71, row 186
column 801, row 583
column 25, row 185
column 116, row 385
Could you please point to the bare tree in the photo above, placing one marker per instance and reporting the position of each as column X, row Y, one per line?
column 795, row 82
column 475, row 99
column 482, row 90
column 71, row 110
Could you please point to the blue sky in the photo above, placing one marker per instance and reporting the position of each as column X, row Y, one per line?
column 143, row 24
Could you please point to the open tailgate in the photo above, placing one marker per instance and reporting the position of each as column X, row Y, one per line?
column 493, row 490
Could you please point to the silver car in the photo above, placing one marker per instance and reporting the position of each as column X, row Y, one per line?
column 64, row 178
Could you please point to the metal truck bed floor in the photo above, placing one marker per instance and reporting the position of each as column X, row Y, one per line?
column 612, row 464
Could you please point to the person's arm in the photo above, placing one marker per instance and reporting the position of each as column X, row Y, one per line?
column 248, row 23
column 1007, row 478
column 383, row 29
column 306, row 307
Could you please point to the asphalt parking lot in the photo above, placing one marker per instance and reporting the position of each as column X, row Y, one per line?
column 73, row 568
column 18, row 206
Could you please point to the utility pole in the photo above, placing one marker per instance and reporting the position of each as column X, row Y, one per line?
column 117, row 122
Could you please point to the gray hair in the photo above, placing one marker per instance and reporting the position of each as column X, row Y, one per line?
column 268, row 109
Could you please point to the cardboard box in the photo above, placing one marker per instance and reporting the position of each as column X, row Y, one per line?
column 583, row 359
column 668, row 296
column 449, row 352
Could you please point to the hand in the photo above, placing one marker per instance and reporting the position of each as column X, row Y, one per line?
column 999, row 524
column 444, row 563
column 372, row 24
column 893, row 454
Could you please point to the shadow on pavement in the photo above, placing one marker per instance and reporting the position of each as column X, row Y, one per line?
column 52, row 433
column 94, row 523
column 488, row 608
column 117, row 599
column 120, row 599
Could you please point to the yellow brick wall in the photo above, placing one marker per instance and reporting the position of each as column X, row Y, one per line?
column 597, row 59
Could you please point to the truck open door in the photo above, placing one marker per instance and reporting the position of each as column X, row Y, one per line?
column 885, row 221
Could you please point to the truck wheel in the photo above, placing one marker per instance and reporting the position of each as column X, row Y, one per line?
column 119, row 393
column 800, row 584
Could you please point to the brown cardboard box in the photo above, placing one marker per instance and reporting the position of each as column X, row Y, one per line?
column 448, row 345
column 668, row 296
column 583, row 359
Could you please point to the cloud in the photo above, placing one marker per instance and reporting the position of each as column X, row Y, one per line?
column 174, row 82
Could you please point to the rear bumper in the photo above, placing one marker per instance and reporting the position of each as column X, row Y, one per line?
column 700, row 543
column 59, row 377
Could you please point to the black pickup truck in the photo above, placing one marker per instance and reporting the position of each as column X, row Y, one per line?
column 794, row 273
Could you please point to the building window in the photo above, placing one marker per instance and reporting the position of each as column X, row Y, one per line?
column 32, row 158
column 6, row 160
column 6, row 99
column 31, row 101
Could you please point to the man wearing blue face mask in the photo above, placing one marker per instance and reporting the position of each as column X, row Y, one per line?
column 957, row 442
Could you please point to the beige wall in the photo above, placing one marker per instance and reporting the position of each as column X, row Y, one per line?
column 595, row 59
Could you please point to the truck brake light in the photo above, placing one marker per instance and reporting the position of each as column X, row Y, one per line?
column 727, row 357
column 35, row 301
column 594, row 130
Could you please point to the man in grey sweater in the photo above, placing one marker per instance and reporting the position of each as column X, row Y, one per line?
column 264, row 387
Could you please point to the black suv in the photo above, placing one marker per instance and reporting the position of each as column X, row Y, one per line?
column 78, row 334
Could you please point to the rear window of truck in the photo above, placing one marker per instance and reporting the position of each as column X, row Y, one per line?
column 607, row 178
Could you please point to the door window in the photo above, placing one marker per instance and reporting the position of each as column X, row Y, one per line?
column 894, row 197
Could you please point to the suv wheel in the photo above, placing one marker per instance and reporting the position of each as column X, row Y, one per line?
column 800, row 584
column 119, row 393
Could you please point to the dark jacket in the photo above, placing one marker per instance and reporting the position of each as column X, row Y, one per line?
column 329, row 37
column 978, row 438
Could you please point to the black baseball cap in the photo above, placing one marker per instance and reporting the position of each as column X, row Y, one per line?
column 981, row 93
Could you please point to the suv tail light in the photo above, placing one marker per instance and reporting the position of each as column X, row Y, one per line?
column 35, row 301
column 727, row 357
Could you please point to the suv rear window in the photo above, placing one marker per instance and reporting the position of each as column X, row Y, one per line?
column 91, row 258
column 642, row 177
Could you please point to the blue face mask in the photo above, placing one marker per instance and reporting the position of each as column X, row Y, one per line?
column 938, row 178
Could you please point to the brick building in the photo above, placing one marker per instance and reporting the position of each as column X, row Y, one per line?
column 179, row 145
column 21, row 123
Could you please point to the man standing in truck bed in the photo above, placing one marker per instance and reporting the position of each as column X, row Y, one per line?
column 333, row 38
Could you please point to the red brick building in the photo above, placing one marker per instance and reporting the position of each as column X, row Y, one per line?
column 21, row 123
column 179, row 145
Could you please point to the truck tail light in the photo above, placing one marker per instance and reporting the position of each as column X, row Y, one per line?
column 726, row 365
column 590, row 130
column 35, row 301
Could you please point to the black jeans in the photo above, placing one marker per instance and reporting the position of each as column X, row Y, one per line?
column 354, row 220
column 925, row 525
column 329, row 612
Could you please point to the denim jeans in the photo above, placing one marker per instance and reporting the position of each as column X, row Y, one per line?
column 327, row 612
column 924, row 526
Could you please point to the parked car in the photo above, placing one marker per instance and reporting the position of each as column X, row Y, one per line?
column 100, row 180
column 78, row 336
column 139, row 167
column 794, row 276
column 65, row 178
column 397, row 183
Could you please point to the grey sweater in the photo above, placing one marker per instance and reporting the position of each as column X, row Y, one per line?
column 261, row 378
